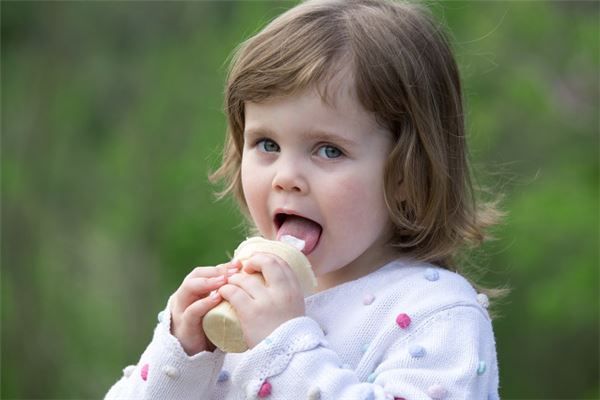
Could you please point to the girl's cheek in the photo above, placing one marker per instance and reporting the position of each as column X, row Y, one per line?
column 347, row 190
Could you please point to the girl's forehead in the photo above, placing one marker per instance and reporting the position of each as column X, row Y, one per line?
column 334, row 96
column 331, row 103
column 336, row 91
column 308, row 111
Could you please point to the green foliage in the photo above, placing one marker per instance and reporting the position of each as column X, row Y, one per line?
column 112, row 120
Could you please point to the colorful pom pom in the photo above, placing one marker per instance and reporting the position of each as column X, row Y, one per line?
column 403, row 320
column 265, row 390
column 144, row 372
column 481, row 367
column 371, row 378
column 437, row 392
column 314, row 393
column 416, row 351
column 223, row 376
column 127, row 371
column 431, row 274
column 483, row 300
column 170, row 371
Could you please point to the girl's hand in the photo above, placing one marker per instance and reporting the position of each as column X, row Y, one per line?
column 193, row 299
column 265, row 295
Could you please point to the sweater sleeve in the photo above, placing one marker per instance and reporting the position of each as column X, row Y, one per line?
column 165, row 371
column 443, row 355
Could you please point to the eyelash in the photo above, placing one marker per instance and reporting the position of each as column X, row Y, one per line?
column 328, row 146
column 261, row 143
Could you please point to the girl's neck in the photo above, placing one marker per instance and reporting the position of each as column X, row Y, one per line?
column 365, row 264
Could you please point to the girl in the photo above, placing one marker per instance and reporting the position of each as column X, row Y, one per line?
column 345, row 130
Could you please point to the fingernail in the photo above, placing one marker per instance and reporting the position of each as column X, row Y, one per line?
column 232, row 271
column 219, row 278
column 214, row 295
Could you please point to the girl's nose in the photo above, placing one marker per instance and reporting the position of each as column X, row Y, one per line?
column 290, row 178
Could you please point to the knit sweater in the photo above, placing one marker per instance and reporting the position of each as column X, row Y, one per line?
column 406, row 331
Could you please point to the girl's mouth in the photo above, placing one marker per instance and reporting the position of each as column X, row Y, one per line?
column 300, row 227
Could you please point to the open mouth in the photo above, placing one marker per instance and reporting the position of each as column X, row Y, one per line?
column 300, row 227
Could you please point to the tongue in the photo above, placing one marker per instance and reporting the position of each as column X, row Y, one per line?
column 303, row 229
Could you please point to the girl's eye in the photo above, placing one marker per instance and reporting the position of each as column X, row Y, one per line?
column 267, row 145
column 329, row 152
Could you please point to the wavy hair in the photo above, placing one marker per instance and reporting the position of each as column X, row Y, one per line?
column 405, row 74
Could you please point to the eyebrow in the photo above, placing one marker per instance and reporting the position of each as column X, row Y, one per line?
column 314, row 135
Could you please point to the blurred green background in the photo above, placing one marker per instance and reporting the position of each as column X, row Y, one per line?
column 111, row 121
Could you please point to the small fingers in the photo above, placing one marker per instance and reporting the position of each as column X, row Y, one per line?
column 202, row 286
column 209, row 272
column 193, row 289
column 200, row 282
column 235, row 295
column 275, row 271
column 187, row 326
column 253, row 283
column 192, row 315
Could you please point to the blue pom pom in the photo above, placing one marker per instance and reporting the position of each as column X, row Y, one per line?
column 431, row 274
column 416, row 351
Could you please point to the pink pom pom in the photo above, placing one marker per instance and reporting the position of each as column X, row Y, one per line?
column 265, row 390
column 403, row 321
column 144, row 372
column 437, row 392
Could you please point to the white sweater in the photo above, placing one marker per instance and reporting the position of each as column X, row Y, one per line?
column 406, row 331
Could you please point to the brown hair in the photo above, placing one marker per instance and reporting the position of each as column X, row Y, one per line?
column 405, row 74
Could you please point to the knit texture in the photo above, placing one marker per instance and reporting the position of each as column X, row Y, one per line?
column 414, row 337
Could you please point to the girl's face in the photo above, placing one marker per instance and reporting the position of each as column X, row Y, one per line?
column 315, row 171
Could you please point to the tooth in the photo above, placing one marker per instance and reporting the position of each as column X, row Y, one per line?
column 221, row 324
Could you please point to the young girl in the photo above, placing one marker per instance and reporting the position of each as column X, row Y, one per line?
column 345, row 130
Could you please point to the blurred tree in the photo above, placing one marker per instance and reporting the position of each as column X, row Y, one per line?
column 112, row 120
